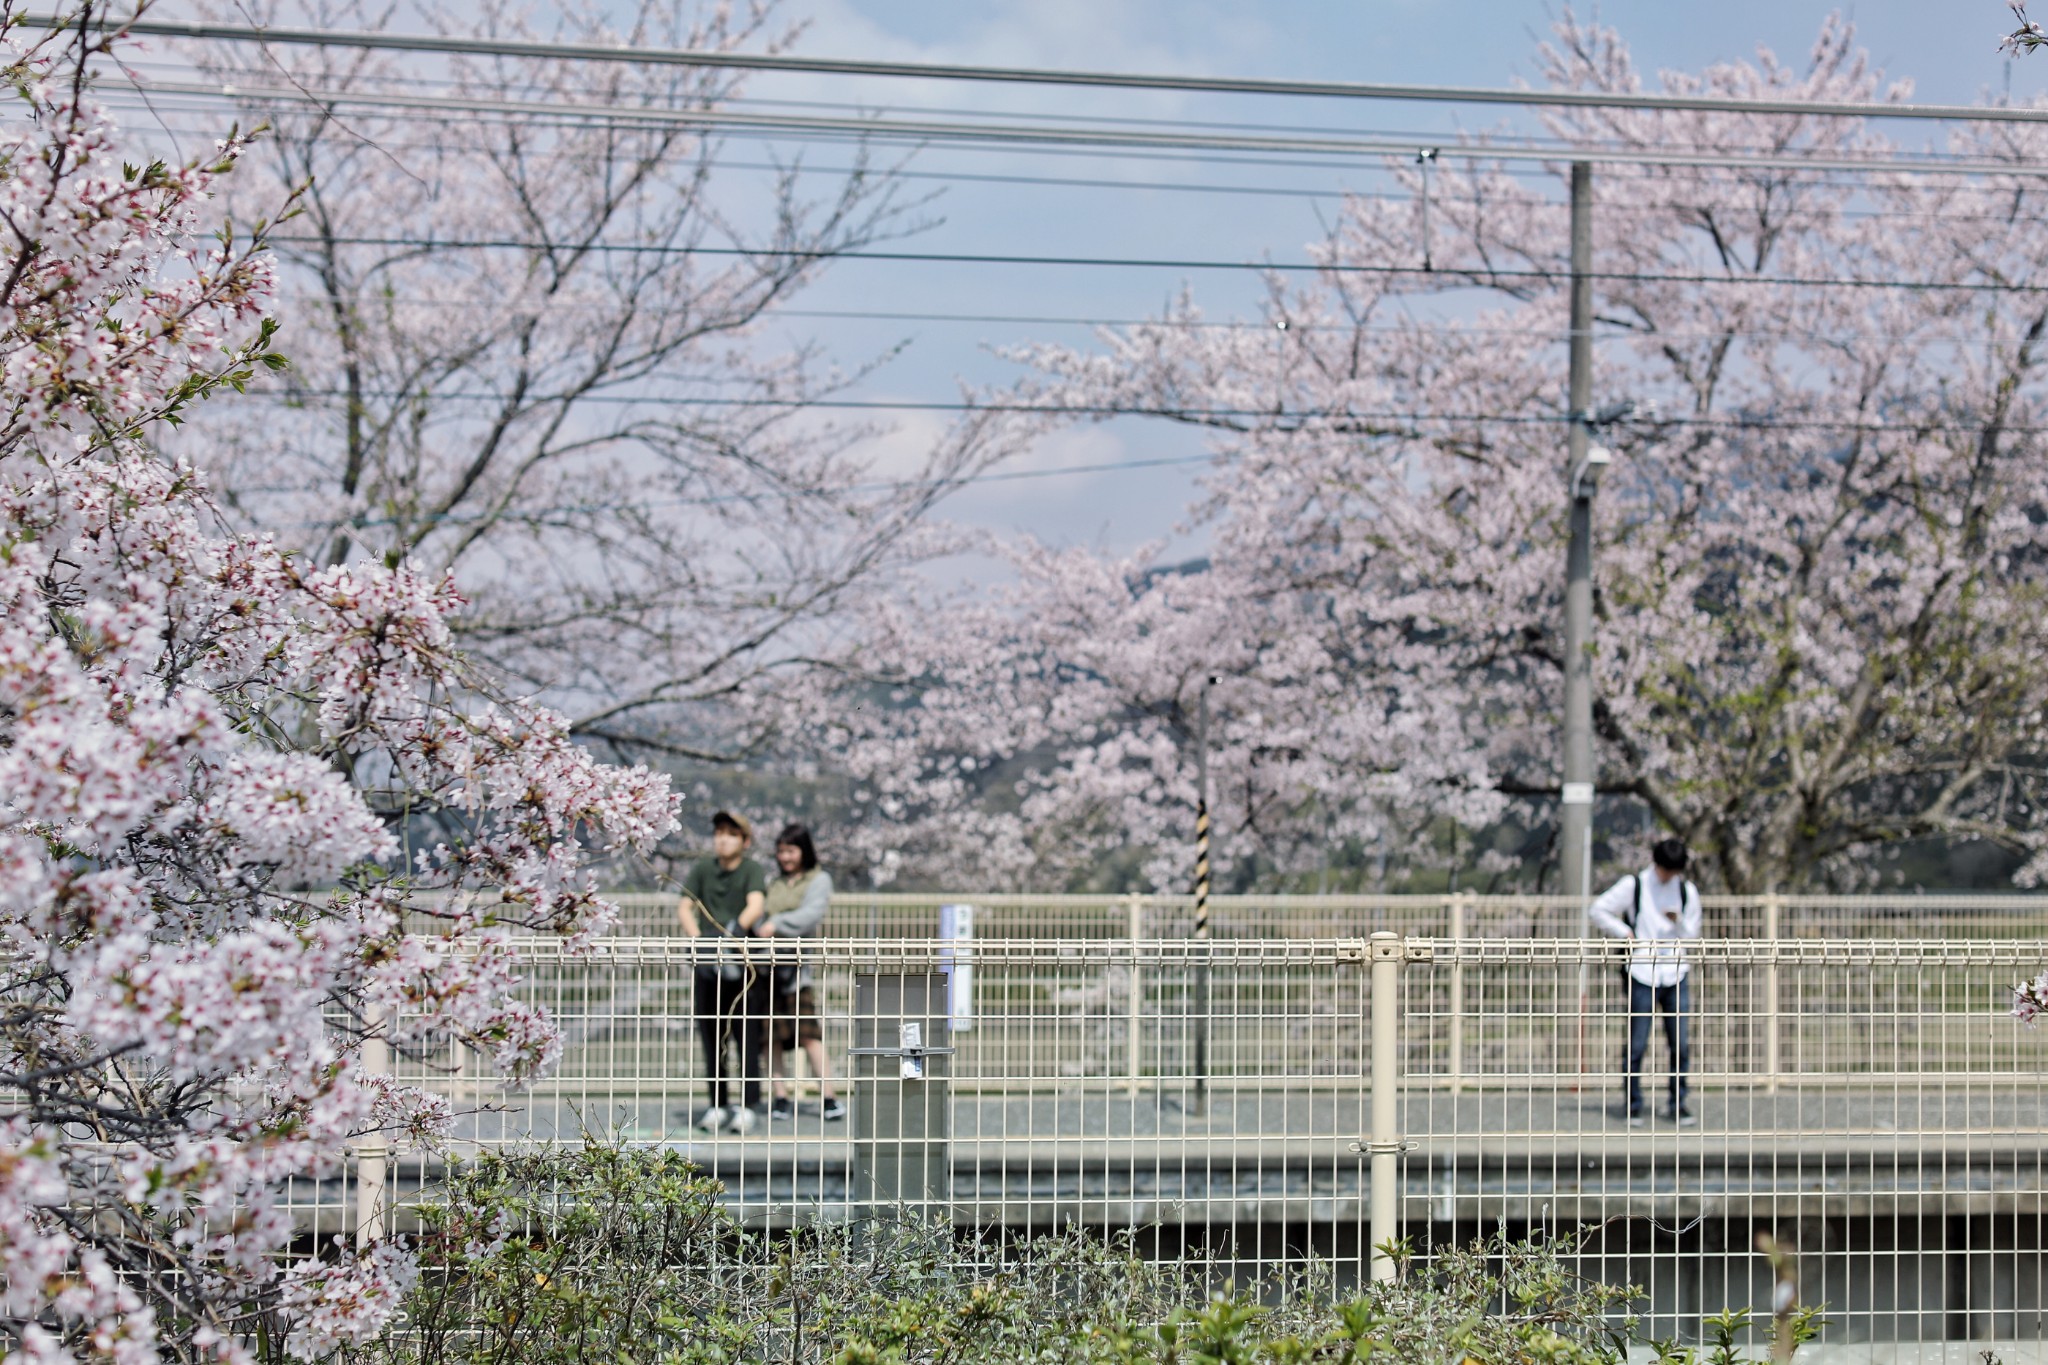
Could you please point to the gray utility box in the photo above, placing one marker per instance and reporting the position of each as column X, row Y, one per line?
column 902, row 1101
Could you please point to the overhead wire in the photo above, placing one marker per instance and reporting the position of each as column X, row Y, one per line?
column 556, row 92
column 1123, row 80
column 1631, row 206
column 1111, row 410
column 1464, row 276
column 1119, row 133
column 1409, row 137
column 923, row 132
column 1601, row 334
column 1820, row 176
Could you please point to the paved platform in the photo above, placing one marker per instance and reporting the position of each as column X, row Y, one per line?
column 1121, row 1159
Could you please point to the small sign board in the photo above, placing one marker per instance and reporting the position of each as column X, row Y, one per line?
column 956, row 925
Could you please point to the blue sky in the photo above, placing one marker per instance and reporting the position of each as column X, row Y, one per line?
column 1948, row 50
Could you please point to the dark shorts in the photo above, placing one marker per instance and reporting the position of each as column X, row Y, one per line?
column 796, row 1019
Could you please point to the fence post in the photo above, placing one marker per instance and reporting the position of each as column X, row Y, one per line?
column 1387, row 951
column 1460, row 903
column 902, row 1117
column 1773, row 914
column 1133, row 1052
column 1585, row 985
column 372, row 1149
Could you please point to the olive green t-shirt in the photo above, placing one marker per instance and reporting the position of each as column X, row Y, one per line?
column 723, row 893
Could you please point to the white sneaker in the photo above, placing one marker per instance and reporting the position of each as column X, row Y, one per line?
column 713, row 1119
column 742, row 1121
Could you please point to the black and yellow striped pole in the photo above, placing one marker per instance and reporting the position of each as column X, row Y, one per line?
column 1201, row 1020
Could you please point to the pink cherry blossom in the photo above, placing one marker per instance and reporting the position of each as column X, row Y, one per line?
column 201, row 739
column 1819, row 553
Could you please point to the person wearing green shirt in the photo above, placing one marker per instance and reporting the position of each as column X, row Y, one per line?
column 725, row 896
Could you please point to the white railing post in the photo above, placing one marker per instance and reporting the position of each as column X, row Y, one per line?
column 372, row 1150
column 1134, row 1052
column 1773, row 913
column 1585, row 985
column 1388, row 951
column 1460, row 904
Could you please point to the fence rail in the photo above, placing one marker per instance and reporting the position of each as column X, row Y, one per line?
column 1868, row 1101
column 1458, row 915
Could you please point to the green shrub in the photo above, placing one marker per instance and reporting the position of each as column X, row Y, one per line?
column 612, row 1256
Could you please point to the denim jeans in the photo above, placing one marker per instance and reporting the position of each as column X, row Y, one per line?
column 1675, row 1004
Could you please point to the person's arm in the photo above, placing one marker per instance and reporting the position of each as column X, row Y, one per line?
column 1691, row 918
column 757, row 899
column 809, row 913
column 1605, row 914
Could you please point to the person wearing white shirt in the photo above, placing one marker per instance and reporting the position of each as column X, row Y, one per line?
column 1656, row 910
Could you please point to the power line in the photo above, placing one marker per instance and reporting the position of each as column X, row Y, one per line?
column 1267, row 162
column 1634, row 206
column 1468, row 277
column 927, row 131
column 545, row 90
column 1600, row 335
column 1538, row 169
column 906, row 173
column 538, row 89
column 893, row 173
column 1197, row 414
column 1350, row 90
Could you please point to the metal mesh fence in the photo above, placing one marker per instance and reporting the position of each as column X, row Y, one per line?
column 874, row 915
column 1866, row 1102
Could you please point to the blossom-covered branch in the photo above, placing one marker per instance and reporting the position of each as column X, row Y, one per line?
column 181, row 710
column 2026, row 37
column 543, row 355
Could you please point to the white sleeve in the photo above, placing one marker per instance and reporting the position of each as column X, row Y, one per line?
column 1605, row 914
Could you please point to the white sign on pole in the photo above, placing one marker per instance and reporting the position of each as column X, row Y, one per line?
column 956, row 925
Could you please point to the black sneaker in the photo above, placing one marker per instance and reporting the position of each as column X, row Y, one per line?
column 783, row 1107
column 834, row 1110
column 1682, row 1114
column 1637, row 1118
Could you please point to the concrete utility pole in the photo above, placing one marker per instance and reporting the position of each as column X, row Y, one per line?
column 1575, row 824
column 1202, row 813
column 1201, row 1010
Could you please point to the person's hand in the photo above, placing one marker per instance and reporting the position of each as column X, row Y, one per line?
column 765, row 929
column 686, row 915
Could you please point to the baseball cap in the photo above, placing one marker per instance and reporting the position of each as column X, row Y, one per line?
column 738, row 822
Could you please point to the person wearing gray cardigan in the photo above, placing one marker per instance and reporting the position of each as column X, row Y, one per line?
column 797, row 902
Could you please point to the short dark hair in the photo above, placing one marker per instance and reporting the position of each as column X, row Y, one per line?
column 798, row 837
column 1670, row 854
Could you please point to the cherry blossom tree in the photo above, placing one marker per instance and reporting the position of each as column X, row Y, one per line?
column 199, row 733
column 1819, row 566
column 540, row 352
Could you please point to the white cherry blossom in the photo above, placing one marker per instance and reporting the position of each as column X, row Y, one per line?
column 200, row 736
